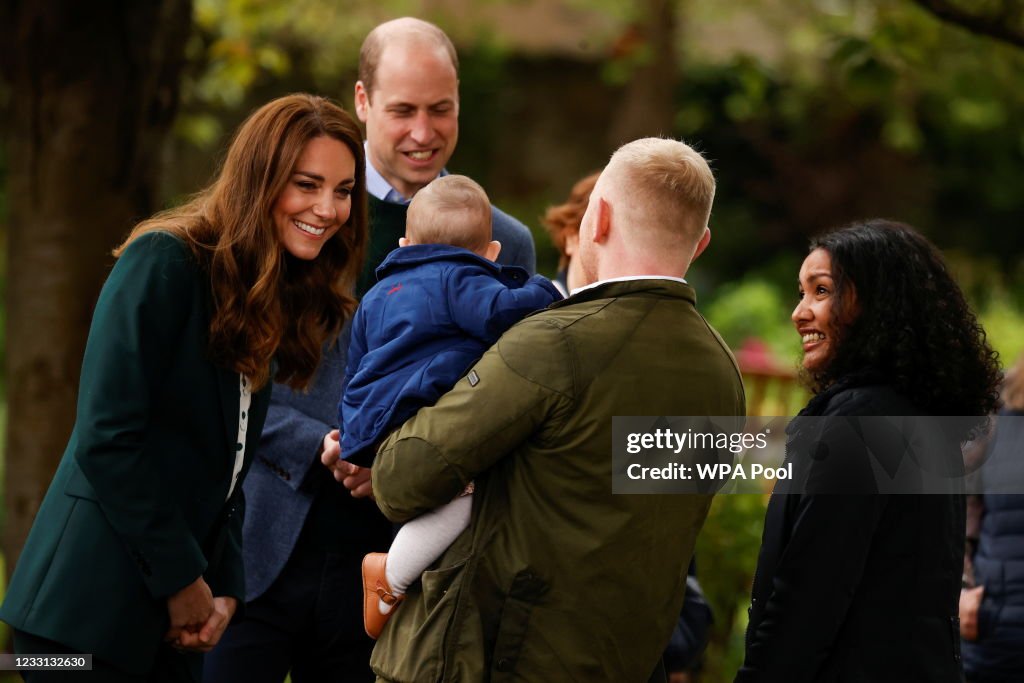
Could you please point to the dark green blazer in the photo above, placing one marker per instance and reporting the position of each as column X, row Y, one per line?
column 139, row 506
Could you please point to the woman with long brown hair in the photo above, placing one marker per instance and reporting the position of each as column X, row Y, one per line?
column 135, row 554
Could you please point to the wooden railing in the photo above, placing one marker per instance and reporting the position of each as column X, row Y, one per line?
column 771, row 388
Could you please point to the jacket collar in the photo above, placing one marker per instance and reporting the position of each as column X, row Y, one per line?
column 819, row 402
column 652, row 286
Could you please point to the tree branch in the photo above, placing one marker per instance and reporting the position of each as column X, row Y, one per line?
column 994, row 24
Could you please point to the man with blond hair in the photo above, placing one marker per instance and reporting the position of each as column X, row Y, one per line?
column 557, row 578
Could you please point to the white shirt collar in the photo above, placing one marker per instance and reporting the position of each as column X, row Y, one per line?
column 381, row 188
column 628, row 278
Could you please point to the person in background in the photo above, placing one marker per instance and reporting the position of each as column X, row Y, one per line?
column 135, row 554
column 562, row 222
column 682, row 657
column 305, row 534
column 992, row 596
column 852, row 585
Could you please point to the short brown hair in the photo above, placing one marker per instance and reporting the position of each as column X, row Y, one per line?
column 450, row 210
column 406, row 28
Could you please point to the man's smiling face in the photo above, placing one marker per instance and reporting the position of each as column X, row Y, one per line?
column 412, row 114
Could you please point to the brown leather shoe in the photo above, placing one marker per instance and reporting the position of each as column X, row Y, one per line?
column 375, row 591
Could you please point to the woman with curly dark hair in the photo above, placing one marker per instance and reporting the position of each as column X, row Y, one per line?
column 852, row 584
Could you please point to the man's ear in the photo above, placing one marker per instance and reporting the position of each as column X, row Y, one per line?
column 362, row 99
column 705, row 239
column 572, row 242
column 603, row 220
column 403, row 241
column 492, row 250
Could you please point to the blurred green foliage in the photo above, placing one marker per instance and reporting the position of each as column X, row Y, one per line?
column 843, row 109
column 755, row 308
column 1003, row 320
column 815, row 112
column 240, row 46
column 726, row 556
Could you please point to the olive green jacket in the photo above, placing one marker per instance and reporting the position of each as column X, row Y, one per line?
column 557, row 579
column 139, row 506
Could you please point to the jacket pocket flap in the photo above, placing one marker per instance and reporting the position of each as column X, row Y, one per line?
column 436, row 583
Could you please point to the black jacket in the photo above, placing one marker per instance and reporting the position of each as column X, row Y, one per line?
column 857, row 586
column 998, row 654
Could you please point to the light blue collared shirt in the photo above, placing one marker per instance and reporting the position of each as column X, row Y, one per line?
column 381, row 188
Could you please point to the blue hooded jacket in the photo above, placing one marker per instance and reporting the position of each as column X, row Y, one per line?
column 433, row 312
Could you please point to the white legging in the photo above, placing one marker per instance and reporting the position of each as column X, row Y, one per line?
column 422, row 540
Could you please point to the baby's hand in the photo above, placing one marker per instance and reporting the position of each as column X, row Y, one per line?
column 330, row 454
column 356, row 479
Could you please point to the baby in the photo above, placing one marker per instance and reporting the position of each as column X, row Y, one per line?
column 439, row 303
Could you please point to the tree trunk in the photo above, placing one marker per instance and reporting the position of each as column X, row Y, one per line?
column 94, row 88
column 646, row 107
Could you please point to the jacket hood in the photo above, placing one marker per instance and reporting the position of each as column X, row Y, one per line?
column 417, row 254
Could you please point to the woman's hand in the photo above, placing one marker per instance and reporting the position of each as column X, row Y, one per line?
column 210, row 634
column 189, row 609
column 970, row 604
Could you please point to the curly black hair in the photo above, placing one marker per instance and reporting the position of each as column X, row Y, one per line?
column 914, row 327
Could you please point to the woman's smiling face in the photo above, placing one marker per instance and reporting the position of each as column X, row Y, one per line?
column 816, row 316
column 318, row 198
